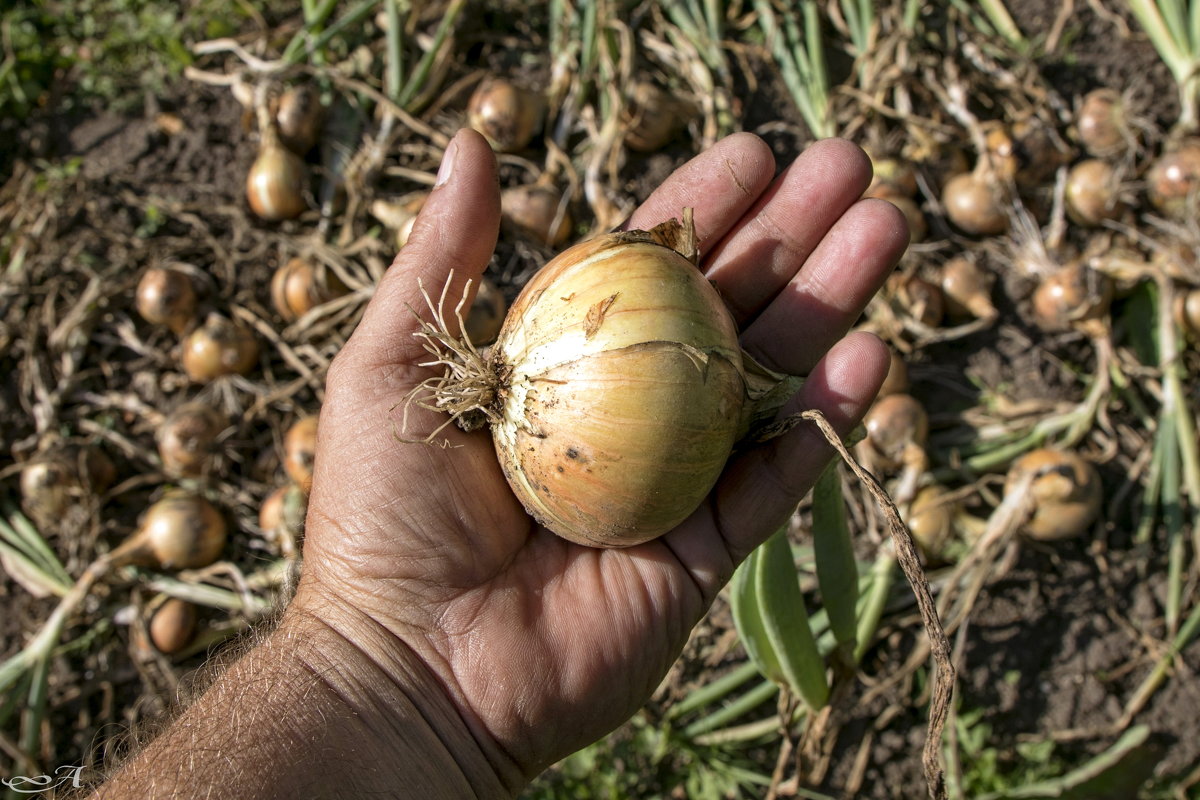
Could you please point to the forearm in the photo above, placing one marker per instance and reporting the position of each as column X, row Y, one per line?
column 290, row 719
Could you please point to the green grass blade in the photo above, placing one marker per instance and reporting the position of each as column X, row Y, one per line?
column 785, row 621
column 394, row 42
column 420, row 74
column 837, row 570
column 882, row 575
column 744, row 704
column 22, row 534
column 713, row 690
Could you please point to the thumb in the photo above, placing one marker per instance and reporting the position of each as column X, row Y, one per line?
column 455, row 232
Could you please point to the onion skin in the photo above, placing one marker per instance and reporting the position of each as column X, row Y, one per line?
column 219, row 347
column 275, row 183
column 974, row 205
column 186, row 438
column 300, row 451
column 166, row 297
column 173, row 625
column 1066, row 491
column 180, row 531
column 507, row 115
column 623, row 391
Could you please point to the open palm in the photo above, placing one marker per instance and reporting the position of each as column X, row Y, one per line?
column 543, row 645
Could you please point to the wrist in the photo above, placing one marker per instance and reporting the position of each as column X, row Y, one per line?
column 394, row 697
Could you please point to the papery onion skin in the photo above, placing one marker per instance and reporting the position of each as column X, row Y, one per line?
column 623, row 391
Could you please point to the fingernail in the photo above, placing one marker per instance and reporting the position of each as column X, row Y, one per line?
column 447, row 167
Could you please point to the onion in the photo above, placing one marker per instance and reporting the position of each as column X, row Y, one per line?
column 400, row 216
column 180, row 531
column 1091, row 194
column 653, row 117
column 507, row 115
column 187, row 437
column 275, row 183
column 615, row 390
column 533, row 210
column 52, row 481
column 891, row 178
column 300, row 450
column 896, row 381
column 918, row 227
column 1174, row 177
column 486, row 314
column 1066, row 492
column 299, row 118
column 966, row 289
column 1074, row 297
column 298, row 287
column 281, row 518
column 219, row 347
column 921, row 299
column 931, row 520
column 1187, row 312
column 166, row 297
column 897, row 427
column 975, row 205
column 172, row 625
column 1100, row 123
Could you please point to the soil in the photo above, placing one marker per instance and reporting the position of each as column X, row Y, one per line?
column 1058, row 642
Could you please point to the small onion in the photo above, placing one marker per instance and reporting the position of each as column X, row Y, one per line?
column 399, row 215
column 1187, row 312
column 966, row 289
column 1074, row 297
column 1092, row 192
column 1066, row 491
column 275, row 183
column 896, row 425
column 507, row 115
column 615, row 390
column 187, row 437
column 299, row 117
column 166, row 297
column 533, row 209
column 300, row 451
column 180, row 531
column 298, row 287
column 931, row 520
column 1174, row 178
column 219, row 347
column 891, row 178
column 896, row 381
column 975, row 205
column 173, row 625
column 921, row 299
column 54, row 480
column 281, row 518
column 486, row 315
column 1100, row 123
column 653, row 117
column 918, row 227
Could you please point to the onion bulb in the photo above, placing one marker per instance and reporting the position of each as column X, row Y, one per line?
column 920, row 299
column 931, row 520
column 1066, row 493
column 219, row 347
column 275, row 183
column 966, row 289
column 187, row 437
column 653, row 117
column 897, row 427
column 298, row 287
column 534, row 210
column 299, row 117
column 1074, row 297
column 896, row 381
column 300, row 451
column 891, row 178
column 1174, row 177
column 1101, row 125
column 180, row 531
column 172, row 625
column 54, row 480
column 918, row 227
column 399, row 215
column 166, row 297
column 615, row 391
column 486, row 314
column 1092, row 192
column 975, row 204
column 1187, row 312
column 507, row 115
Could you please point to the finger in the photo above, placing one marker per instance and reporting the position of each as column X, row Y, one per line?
column 720, row 184
column 455, row 232
column 763, row 253
column 840, row 277
column 761, row 487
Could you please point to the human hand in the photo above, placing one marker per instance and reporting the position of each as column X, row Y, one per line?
column 422, row 556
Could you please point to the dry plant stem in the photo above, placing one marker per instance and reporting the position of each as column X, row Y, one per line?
column 910, row 563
